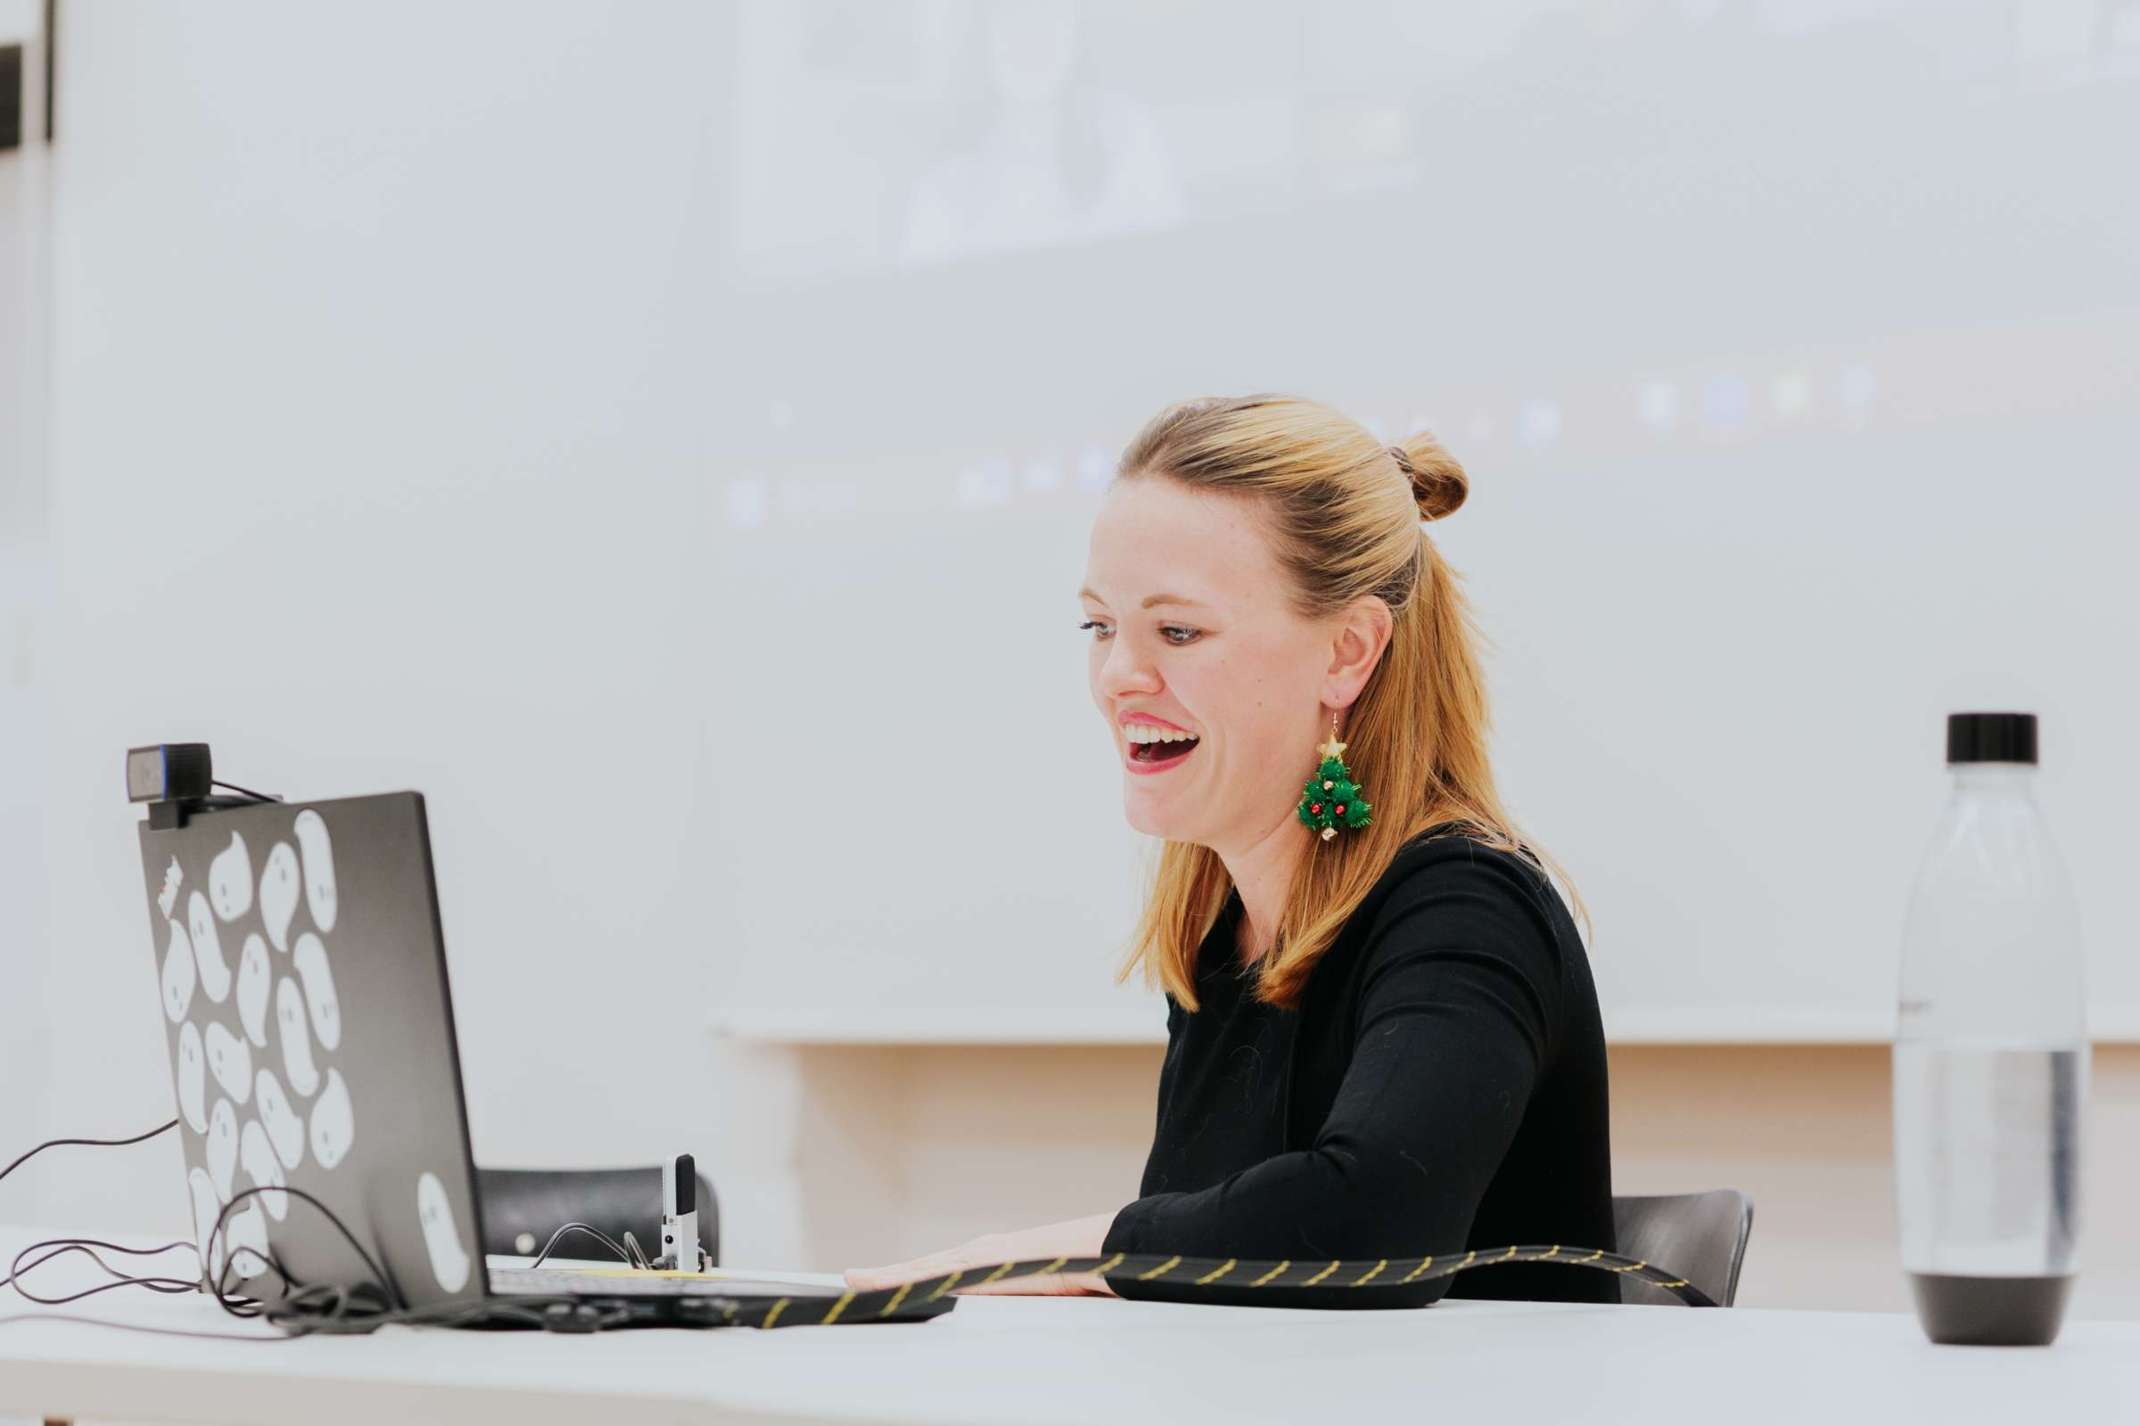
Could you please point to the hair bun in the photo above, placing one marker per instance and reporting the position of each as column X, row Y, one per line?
column 1438, row 481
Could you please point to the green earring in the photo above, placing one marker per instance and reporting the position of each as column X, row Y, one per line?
column 1331, row 798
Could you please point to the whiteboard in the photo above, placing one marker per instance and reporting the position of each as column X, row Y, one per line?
column 1793, row 426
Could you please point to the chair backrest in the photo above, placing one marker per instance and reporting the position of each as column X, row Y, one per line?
column 1700, row 1236
column 523, row 1207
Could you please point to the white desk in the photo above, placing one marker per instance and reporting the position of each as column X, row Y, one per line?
column 1080, row 1360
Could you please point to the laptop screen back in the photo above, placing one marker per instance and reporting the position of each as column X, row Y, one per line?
column 310, row 1028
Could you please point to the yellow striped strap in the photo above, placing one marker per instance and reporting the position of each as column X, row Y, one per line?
column 890, row 1301
column 1218, row 1272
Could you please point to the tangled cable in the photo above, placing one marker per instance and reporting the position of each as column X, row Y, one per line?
column 89, row 1248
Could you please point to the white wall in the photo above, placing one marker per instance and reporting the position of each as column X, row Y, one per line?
column 377, row 463
column 25, row 603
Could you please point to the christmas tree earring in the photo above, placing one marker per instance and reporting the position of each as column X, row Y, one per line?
column 1331, row 798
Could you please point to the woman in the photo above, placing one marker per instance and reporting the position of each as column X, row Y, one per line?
column 1382, row 1035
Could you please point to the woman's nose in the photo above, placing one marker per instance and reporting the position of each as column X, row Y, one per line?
column 1126, row 671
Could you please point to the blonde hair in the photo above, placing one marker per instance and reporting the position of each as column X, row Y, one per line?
column 1342, row 512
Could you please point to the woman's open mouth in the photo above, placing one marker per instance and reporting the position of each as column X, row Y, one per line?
column 1159, row 756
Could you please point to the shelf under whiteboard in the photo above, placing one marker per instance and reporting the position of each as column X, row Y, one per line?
column 969, row 1026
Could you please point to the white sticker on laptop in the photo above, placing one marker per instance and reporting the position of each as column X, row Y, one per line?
column 297, row 1065
column 207, row 948
column 334, row 1122
column 192, row 1078
column 310, row 958
column 319, row 868
column 449, row 1260
column 222, row 1146
column 178, row 973
column 230, row 1060
column 285, row 1127
column 245, row 1234
column 230, row 880
column 255, row 980
column 278, row 893
column 173, row 876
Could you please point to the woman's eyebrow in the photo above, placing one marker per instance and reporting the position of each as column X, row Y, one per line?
column 1150, row 599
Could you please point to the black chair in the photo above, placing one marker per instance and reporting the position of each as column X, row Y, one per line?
column 523, row 1207
column 1701, row 1236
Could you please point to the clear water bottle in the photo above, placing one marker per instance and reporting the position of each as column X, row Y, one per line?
column 1991, row 1055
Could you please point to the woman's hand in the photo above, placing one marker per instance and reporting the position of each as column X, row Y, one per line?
column 1072, row 1238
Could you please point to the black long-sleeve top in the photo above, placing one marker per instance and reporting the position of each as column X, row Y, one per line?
column 1441, row 1087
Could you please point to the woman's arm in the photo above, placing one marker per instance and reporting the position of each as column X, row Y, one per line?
column 1075, row 1237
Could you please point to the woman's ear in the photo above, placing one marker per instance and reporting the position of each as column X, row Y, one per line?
column 1361, row 634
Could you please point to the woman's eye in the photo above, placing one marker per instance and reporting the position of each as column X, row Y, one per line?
column 1170, row 630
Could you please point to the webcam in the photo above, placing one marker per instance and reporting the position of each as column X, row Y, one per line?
column 166, row 772
column 174, row 780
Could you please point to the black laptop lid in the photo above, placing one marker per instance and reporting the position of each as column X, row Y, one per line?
column 311, row 1035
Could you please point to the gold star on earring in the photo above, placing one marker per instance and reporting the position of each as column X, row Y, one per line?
column 1333, row 748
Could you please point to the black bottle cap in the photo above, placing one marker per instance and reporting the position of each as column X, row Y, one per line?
column 1991, row 738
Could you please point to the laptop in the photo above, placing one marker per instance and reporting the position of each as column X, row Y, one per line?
column 302, row 970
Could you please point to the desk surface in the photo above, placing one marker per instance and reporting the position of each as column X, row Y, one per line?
column 1081, row 1360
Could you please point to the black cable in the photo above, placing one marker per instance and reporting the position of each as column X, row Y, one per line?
column 154, row 1284
column 219, row 1289
column 607, row 1242
column 331, row 1308
column 61, row 1247
column 87, row 1247
column 97, row 1143
column 256, row 796
column 327, row 1308
column 305, row 1309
